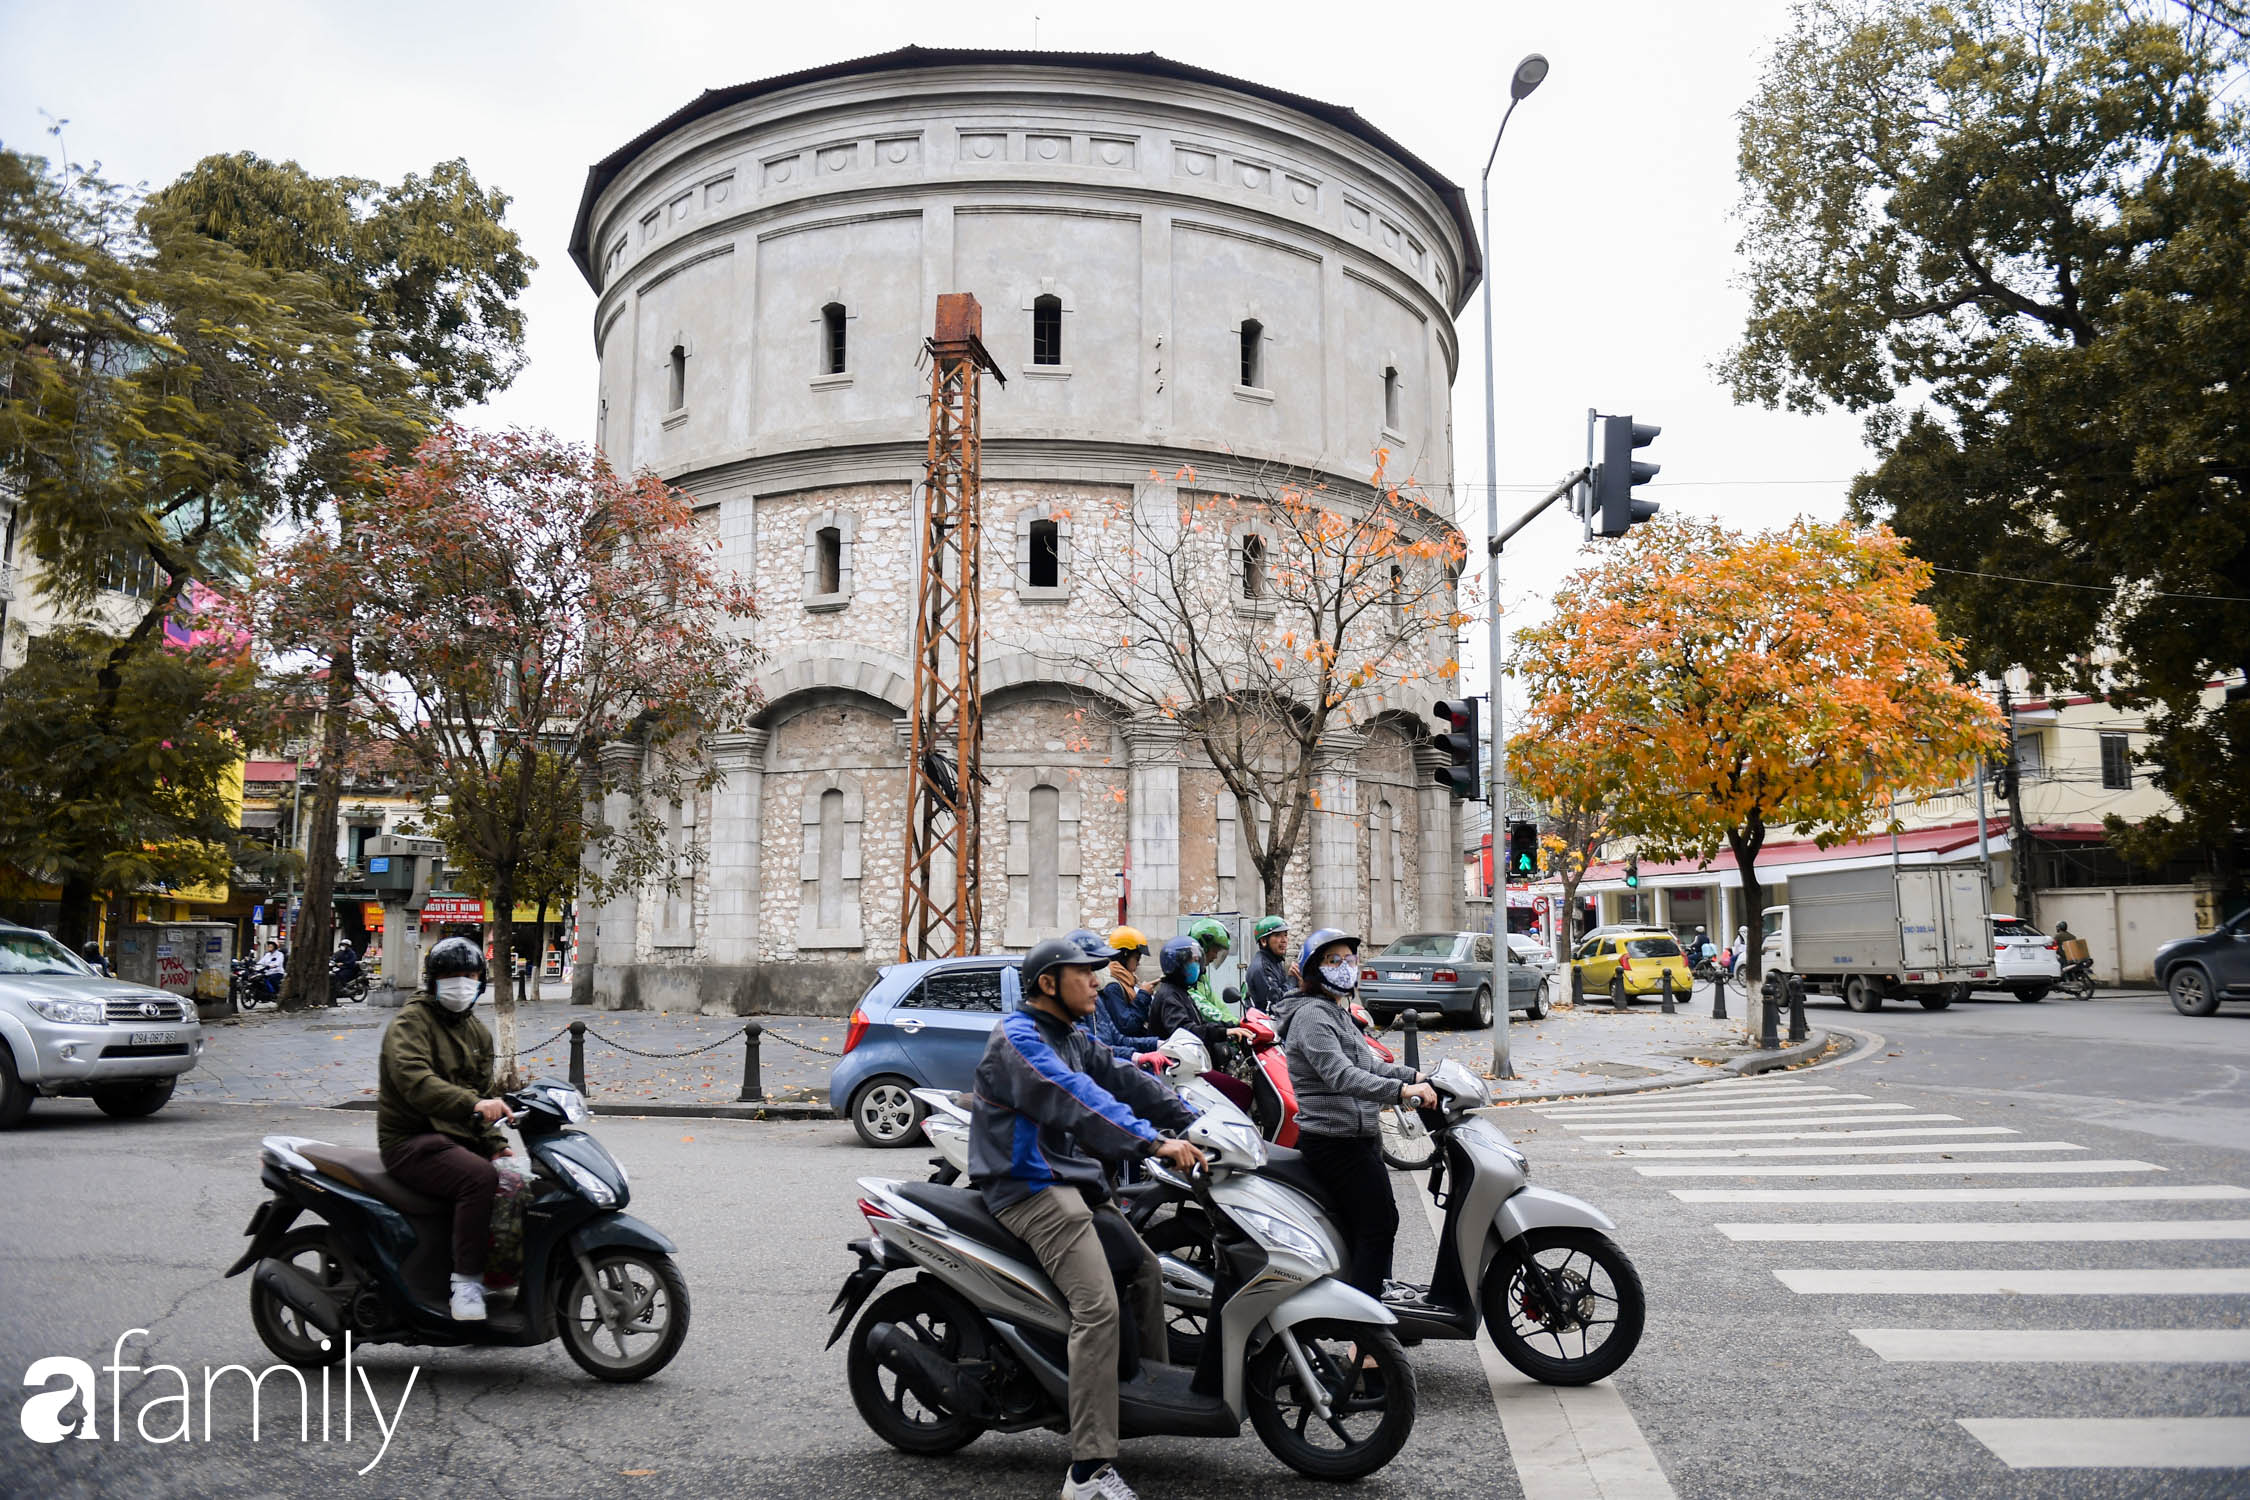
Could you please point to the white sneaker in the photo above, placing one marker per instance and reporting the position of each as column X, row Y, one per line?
column 468, row 1299
column 1107, row 1484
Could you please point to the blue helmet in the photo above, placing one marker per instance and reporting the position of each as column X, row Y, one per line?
column 1324, row 938
column 1091, row 943
column 1177, row 953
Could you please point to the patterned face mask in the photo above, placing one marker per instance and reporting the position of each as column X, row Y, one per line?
column 1341, row 975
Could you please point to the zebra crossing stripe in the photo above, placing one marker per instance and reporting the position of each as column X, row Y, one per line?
column 1679, row 1116
column 1716, row 1138
column 1851, row 1149
column 1717, row 1127
column 2199, row 1192
column 1915, row 1281
column 2138, row 1346
column 1942, row 1232
column 1899, row 1169
column 1686, row 1106
column 2114, row 1442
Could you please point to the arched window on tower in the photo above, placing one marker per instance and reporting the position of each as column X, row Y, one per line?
column 828, row 544
column 1044, row 568
column 676, row 384
column 1253, row 566
column 1390, row 399
column 832, row 346
column 1046, row 330
column 1253, row 353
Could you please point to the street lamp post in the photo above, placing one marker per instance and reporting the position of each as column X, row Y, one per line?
column 1529, row 74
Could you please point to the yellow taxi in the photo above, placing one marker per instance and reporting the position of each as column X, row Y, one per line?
column 1628, row 961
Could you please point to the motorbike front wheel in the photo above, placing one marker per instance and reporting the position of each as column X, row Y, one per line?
column 648, row 1329
column 1406, row 1142
column 889, row 1407
column 1370, row 1410
column 1575, row 1323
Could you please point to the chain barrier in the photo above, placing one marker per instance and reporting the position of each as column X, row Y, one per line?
column 535, row 1046
column 615, row 1044
column 802, row 1046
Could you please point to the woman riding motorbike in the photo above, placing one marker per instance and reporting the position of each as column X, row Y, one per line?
column 1342, row 1088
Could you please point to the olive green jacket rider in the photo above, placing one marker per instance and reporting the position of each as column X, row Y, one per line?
column 436, row 1066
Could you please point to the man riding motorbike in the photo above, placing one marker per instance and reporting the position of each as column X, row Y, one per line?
column 1270, row 977
column 1052, row 1106
column 434, row 1110
column 1342, row 1088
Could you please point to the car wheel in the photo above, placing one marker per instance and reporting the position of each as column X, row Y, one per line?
column 2191, row 992
column 1862, row 995
column 1541, row 1001
column 885, row 1112
column 1481, row 1013
column 2035, row 994
column 15, row 1096
column 1935, row 1002
column 133, row 1101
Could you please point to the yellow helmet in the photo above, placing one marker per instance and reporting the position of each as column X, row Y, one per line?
column 1128, row 940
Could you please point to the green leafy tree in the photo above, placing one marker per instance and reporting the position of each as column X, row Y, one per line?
column 161, row 396
column 549, row 833
column 2016, row 235
column 432, row 272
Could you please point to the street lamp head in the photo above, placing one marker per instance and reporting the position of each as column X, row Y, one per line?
column 1530, row 73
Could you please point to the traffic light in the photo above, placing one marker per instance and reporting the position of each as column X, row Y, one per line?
column 1615, row 510
column 1632, row 872
column 1523, row 850
column 1459, row 715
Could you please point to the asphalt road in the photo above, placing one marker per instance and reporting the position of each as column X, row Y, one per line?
column 1749, row 1382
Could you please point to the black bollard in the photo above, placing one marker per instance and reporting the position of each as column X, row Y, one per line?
column 1719, row 997
column 1411, row 1025
column 1797, row 1029
column 1769, row 1019
column 753, row 1088
column 578, row 1056
column 1668, row 992
column 1577, row 986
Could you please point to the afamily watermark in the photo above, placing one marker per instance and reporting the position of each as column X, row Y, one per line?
column 71, row 1410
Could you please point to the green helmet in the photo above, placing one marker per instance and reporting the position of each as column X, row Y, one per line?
column 1268, row 926
column 1211, row 933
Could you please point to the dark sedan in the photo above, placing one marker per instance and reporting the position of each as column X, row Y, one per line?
column 2198, row 972
column 1448, row 973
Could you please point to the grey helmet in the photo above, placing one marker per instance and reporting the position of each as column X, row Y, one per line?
column 1054, row 953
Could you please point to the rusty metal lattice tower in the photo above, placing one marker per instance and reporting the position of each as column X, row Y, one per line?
column 941, row 911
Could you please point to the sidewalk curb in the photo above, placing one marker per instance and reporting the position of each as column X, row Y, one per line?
column 771, row 1110
column 1750, row 1066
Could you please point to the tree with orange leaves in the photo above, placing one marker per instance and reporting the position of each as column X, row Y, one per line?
column 1712, row 687
column 1260, row 615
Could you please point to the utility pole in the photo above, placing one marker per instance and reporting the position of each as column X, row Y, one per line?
column 2019, row 857
column 940, row 908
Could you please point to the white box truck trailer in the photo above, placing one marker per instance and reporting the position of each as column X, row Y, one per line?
column 1921, row 932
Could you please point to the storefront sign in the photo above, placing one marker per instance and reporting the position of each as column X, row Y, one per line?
column 442, row 909
column 371, row 915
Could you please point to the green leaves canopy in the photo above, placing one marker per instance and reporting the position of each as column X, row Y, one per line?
column 2017, row 235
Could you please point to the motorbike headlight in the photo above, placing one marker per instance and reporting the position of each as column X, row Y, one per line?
column 69, row 1012
column 593, row 1187
column 1276, row 1233
column 573, row 1105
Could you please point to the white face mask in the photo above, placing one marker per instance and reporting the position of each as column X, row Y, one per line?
column 1341, row 975
column 457, row 994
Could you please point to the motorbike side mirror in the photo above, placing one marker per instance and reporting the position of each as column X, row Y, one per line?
column 1231, row 995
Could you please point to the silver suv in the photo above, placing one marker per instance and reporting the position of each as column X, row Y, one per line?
column 65, row 1030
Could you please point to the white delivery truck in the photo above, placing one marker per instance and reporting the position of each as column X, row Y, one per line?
column 1922, row 932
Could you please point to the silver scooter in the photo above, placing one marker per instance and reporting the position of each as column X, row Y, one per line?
column 976, row 1342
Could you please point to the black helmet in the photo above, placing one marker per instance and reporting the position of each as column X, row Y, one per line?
column 451, row 958
column 1054, row 953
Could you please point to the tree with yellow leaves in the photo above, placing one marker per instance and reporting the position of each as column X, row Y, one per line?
column 1712, row 687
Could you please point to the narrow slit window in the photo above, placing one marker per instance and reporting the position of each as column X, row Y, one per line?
column 1044, row 570
column 2117, row 763
column 1253, row 567
column 676, row 387
column 1046, row 330
column 829, row 573
column 832, row 346
column 1390, row 399
column 1253, row 353
column 1398, row 596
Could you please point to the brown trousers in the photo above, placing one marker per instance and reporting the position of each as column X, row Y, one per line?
column 440, row 1167
column 1058, row 1225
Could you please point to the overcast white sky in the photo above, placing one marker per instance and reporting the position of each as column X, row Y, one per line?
column 1611, row 198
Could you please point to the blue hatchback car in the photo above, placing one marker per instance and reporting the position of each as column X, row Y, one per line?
column 920, row 1026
